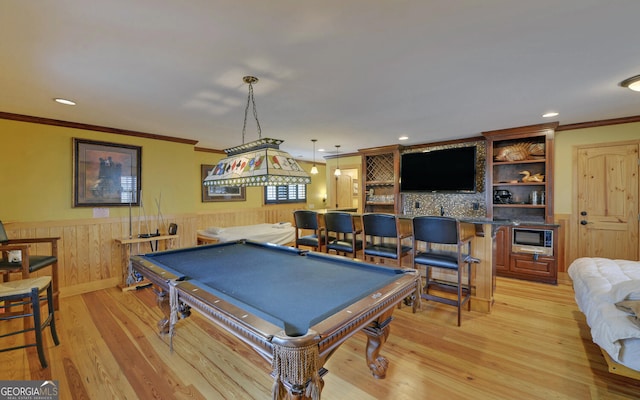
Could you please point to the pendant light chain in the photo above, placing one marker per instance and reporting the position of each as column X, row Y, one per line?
column 260, row 162
column 251, row 100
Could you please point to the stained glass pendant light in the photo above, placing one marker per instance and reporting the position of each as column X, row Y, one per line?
column 257, row 163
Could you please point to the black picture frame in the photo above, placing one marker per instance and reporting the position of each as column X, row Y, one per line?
column 219, row 193
column 106, row 174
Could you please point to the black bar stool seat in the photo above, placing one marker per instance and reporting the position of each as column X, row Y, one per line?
column 383, row 237
column 346, row 235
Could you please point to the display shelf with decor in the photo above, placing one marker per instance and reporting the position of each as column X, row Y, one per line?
column 520, row 191
column 520, row 173
column 381, row 170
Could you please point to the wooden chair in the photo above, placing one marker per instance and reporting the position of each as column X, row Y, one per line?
column 346, row 235
column 28, row 263
column 452, row 253
column 26, row 294
column 314, row 236
column 383, row 237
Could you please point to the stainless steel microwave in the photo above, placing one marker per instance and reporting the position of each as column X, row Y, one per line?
column 532, row 241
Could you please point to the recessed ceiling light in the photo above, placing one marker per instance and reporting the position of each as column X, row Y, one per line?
column 403, row 138
column 550, row 114
column 632, row 83
column 65, row 101
column 320, row 149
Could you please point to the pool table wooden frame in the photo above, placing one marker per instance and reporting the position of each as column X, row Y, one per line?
column 372, row 315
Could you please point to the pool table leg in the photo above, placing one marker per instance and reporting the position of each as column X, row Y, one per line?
column 163, row 302
column 285, row 390
column 377, row 334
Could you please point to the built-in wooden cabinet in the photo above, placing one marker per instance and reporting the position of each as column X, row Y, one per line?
column 532, row 267
column 513, row 263
column 520, row 192
column 520, row 173
column 501, row 249
column 381, row 174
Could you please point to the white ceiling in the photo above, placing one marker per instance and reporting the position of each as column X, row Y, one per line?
column 358, row 73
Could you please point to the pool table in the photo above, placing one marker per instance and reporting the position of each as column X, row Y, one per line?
column 293, row 307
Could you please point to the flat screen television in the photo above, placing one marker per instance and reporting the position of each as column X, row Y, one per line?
column 447, row 170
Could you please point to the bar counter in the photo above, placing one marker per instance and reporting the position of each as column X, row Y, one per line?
column 482, row 230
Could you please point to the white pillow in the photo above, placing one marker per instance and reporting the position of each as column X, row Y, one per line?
column 15, row 256
column 626, row 290
column 214, row 230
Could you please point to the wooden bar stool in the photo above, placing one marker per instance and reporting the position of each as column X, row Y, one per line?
column 453, row 254
column 28, row 262
column 309, row 233
column 341, row 224
column 383, row 238
column 26, row 294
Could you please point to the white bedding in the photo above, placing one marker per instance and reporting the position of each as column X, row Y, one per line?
column 280, row 233
column 598, row 284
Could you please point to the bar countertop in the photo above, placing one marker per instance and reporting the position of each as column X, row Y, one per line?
column 468, row 219
column 505, row 222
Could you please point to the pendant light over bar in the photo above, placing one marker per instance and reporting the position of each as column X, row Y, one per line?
column 337, row 171
column 257, row 163
column 314, row 169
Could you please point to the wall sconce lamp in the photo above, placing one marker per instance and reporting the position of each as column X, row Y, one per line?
column 632, row 83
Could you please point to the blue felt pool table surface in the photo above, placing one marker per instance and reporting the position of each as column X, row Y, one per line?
column 288, row 287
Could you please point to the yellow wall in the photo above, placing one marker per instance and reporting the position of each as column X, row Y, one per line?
column 564, row 143
column 36, row 179
column 317, row 190
column 38, row 168
column 37, row 175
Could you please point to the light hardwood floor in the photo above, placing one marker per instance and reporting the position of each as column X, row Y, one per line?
column 534, row 345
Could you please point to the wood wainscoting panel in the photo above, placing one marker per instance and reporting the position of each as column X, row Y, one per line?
column 89, row 258
column 250, row 216
column 564, row 242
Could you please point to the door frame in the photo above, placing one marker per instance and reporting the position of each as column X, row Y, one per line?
column 331, row 187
